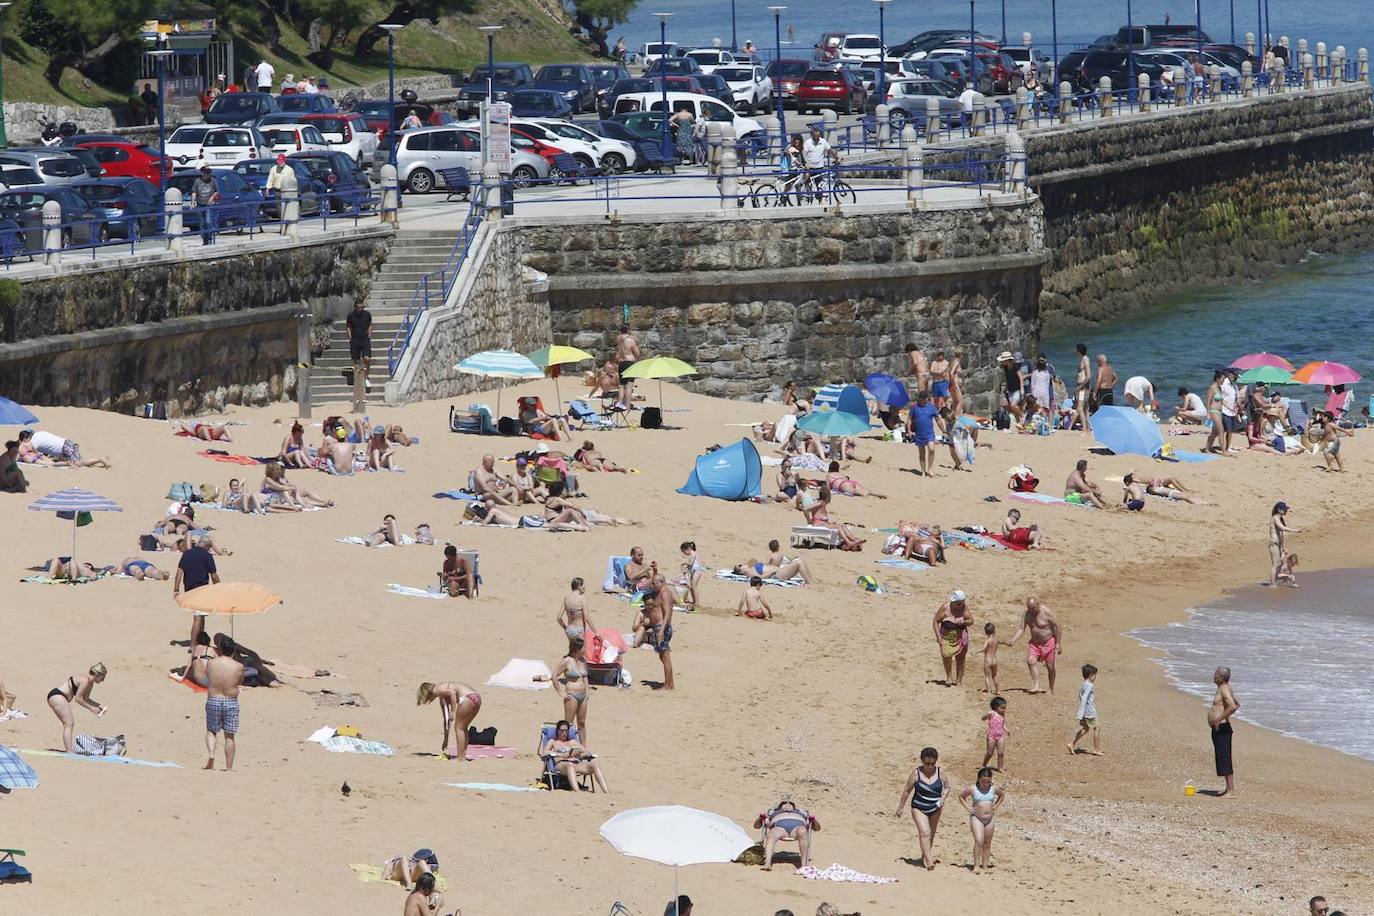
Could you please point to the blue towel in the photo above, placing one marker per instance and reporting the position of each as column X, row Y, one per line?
column 458, row 494
column 129, row 761
column 1194, row 457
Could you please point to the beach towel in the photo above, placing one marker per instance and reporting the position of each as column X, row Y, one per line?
column 233, row 459
column 185, row 682
column 369, row 873
column 411, row 591
column 48, row 580
column 615, row 575
column 838, row 872
column 406, row 541
column 1010, row 545
column 729, row 575
column 342, row 744
column 458, row 494
column 520, row 674
column 1189, row 457
column 490, row 787
column 1042, row 499
column 481, row 751
column 13, row 714
column 902, row 563
column 977, row 541
column 131, row 761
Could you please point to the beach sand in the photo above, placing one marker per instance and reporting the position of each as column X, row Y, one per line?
column 828, row 702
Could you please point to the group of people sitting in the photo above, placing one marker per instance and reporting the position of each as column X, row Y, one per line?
column 544, row 479
column 344, row 448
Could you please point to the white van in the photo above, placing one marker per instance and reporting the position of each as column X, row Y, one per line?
column 701, row 106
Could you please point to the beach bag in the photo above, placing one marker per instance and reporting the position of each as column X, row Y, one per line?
column 155, row 410
column 507, row 426
column 182, row 492
column 651, row 418
column 91, row 746
column 485, row 738
column 1001, row 419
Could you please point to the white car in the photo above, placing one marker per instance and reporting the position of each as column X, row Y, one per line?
column 654, row 50
column 295, row 138
column 346, row 131
column 183, row 146
column 752, row 86
column 701, row 106
column 611, row 156
column 711, row 58
column 860, row 47
column 223, row 147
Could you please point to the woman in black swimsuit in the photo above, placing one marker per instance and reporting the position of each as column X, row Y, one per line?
column 928, row 790
column 75, row 690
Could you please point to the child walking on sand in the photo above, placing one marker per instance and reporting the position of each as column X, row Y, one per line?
column 691, row 573
column 1087, row 712
column 997, row 733
column 752, row 603
column 990, row 661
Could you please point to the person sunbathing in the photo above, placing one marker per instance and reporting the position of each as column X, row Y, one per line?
column 24, row 453
column 1171, row 488
column 495, row 489
column 292, row 453
column 775, row 567
column 408, row 870
column 62, row 452
column 559, row 513
column 380, row 454
column 209, row 432
column 813, row 500
column 284, row 492
column 389, row 533
column 1029, row 536
column 534, row 421
column 848, row 486
column 397, row 435
column 237, row 498
column 591, row 459
column 64, row 568
column 570, row 759
column 926, row 546
column 786, row 822
column 483, row 514
column 140, row 569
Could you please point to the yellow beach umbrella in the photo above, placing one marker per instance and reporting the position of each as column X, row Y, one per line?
column 660, row 367
column 556, row 355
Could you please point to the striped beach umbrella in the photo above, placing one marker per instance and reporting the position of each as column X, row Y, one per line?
column 70, row 503
column 14, row 772
column 502, row 364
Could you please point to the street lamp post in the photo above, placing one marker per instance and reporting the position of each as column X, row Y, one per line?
column 490, row 31
column 161, row 55
column 882, row 52
column 1233, row 21
column 1054, row 49
column 734, row 40
column 4, row 141
column 1130, row 53
column 972, row 49
column 1004, row 22
column 777, row 76
column 1197, row 10
column 391, row 28
column 663, row 18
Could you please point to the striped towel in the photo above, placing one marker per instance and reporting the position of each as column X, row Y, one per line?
column 902, row 563
column 729, row 575
column 343, row 744
column 130, row 761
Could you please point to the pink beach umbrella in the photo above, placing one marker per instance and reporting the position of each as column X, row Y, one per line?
column 1253, row 360
column 1326, row 373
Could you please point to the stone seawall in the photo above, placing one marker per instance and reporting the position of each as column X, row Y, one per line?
column 755, row 301
column 200, row 332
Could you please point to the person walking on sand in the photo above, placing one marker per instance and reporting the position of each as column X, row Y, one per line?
column 1278, row 548
column 225, row 675
column 1082, row 384
column 76, row 691
column 1087, row 712
column 917, row 367
column 997, row 733
column 1046, row 641
column 458, row 706
column 990, row 660
column 921, row 427
column 951, row 625
column 1224, row 706
column 981, row 800
column 928, row 791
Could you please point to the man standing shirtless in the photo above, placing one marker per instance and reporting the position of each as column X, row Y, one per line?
column 1106, row 381
column 1224, row 705
column 658, row 609
column 1080, row 394
column 1046, row 641
column 626, row 354
column 225, row 674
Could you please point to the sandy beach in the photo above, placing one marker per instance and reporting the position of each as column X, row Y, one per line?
column 828, row 702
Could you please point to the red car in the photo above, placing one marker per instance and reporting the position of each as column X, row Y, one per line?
column 523, row 141
column 831, row 87
column 128, row 160
column 683, row 84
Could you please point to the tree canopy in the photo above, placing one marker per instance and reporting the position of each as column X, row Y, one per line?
column 598, row 17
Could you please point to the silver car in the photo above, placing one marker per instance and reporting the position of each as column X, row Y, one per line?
column 53, row 167
column 423, row 153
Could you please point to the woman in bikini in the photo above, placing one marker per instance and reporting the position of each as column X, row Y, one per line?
column 1214, row 411
column 1171, row 488
column 813, row 498
column 138, row 568
column 570, row 759
column 76, row 691
column 981, row 800
column 842, row 483
column 207, row 431
column 928, row 547
column 591, row 459
column 458, row 706
column 558, row 512
column 1278, row 527
column 572, row 618
column 786, row 822
column 198, row 669
column 956, row 387
column 787, row 482
column 292, row 453
column 64, row 568
column 1029, row 537
column 237, row 498
column 927, row 789
column 295, row 495
column 776, row 566
column 570, row 682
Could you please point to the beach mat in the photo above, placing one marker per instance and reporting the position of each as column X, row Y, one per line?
column 486, row 751
column 412, row 592
column 902, row 563
column 343, row 744
column 1039, row 499
column 235, row 459
column 463, row 495
column 48, row 580
column 491, row 787
column 1189, row 457
column 730, row 575
column 128, row 761
column 520, row 674
column 370, row 873
column 838, row 872
column 185, row 682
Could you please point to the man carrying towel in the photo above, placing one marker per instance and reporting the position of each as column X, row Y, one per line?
column 225, row 674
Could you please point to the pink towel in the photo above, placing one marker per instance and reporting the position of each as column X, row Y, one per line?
column 482, row 750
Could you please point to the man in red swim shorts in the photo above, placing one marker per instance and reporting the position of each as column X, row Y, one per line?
column 1046, row 641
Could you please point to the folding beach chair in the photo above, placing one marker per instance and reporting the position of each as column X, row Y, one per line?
column 11, row 872
column 585, row 415
column 473, row 560
column 551, row 777
column 1298, row 415
column 476, row 420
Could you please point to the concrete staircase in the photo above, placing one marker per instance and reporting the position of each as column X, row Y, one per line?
column 413, row 254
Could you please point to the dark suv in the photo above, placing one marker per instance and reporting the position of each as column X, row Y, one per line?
column 1112, row 64
column 574, row 82
column 506, row 77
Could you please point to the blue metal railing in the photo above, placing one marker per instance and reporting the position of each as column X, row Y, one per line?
column 434, row 287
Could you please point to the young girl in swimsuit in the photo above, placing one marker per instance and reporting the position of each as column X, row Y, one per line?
column 76, row 691
column 292, row 453
column 996, row 717
column 841, row 483
column 458, row 706
column 981, row 800
column 691, row 573
column 1278, row 527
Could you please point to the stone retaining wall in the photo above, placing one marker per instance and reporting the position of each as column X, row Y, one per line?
column 24, row 120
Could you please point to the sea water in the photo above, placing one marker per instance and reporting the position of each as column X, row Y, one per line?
column 1299, row 658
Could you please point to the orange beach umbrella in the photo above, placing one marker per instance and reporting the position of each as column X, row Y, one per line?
column 228, row 598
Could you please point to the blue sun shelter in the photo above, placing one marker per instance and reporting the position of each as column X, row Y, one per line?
column 732, row 472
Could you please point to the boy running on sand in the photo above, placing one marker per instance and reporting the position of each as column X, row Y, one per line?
column 990, row 661
column 1087, row 712
column 752, row 603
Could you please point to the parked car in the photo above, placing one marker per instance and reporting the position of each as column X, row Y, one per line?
column 25, row 207
column 240, row 204
column 539, row 103
column 293, row 138
column 610, row 155
column 18, row 176
column 573, row 82
column 129, row 160
column 1029, row 60
column 828, row 48
column 521, row 141
column 605, row 104
column 750, row 87
column 224, row 146
column 374, row 113
column 680, row 83
column 346, row 132
column 906, row 102
column 346, row 185
column 716, row 87
column 830, row 87
column 788, row 74
column 605, row 75
column 56, row 167
column 669, row 65
column 123, row 203
column 922, row 44
column 860, row 47
column 931, row 69
column 309, row 187
column 614, row 130
column 700, row 106
column 240, row 107
column 184, row 143
column 654, row 50
column 1230, row 76
column 88, row 160
column 304, row 103
column 1113, row 65
column 421, row 155
column 708, row 59
column 506, row 77
column 643, row 125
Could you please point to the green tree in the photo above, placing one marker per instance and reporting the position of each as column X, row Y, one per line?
column 406, row 12
column 332, row 19
column 598, row 17
column 81, row 34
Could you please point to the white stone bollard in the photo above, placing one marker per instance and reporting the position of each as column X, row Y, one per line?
column 52, row 232
column 1016, row 164
column 289, row 204
column 1338, row 64
column 1180, row 87
column 1302, row 48
column 770, row 130
column 172, row 205
column 1250, row 43
column 1247, row 79
column 1322, row 74
column 1104, row 97
column 491, row 191
column 727, row 141
column 830, row 122
column 1214, row 82
column 714, row 134
column 1277, row 76
column 1142, row 92
column 1022, row 108
column 1309, row 76
column 1363, row 74
column 728, row 180
column 913, row 158
column 389, row 210
column 980, row 116
column 1026, row 40
column 1065, row 102
column 884, row 126
column 932, row 120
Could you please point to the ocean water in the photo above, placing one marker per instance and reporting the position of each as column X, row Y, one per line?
column 1299, row 658
column 697, row 22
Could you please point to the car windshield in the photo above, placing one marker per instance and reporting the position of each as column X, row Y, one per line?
column 234, row 102
column 654, row 47
column 227, row 138
column 502, row 76
column 95, row 193
column 254, row 167
column 66, row 167
column 561, row 74
column 318, row 166
column 281, row 136
column 296, row 102
column 703, row 56
column 537, row 100
column 188, row 135
column 863, row 43
column 829, row 76
column 182, row 182
column 572, row 133
column 788, row 68
column 332, row 128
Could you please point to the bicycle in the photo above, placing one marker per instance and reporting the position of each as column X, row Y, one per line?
column 827, row 185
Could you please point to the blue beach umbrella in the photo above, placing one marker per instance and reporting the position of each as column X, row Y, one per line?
column 501, row 364
column 12, row 414
column 14, row 772
column 1126, row 431
column 71, row 503
column 887, row 390
column 826, row 421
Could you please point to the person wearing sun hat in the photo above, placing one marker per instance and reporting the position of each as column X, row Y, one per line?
column 951, row 626
column 1012, row 383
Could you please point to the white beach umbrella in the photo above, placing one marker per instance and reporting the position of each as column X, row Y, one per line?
column 675, row 835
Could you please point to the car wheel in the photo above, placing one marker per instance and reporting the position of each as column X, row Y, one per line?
column 584, row 160
column 421, row 181
column 612, row 164
column 522, row 176
column 801, row 109
column 896, row 119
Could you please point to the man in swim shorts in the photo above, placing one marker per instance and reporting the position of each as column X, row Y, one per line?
column 1080, row 396
column 1224, row 705
column 626, row 355
column 1046, row 641
column 225, row 674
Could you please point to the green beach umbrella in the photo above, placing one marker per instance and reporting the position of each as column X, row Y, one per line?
column 1267, row 375
column 660, row 367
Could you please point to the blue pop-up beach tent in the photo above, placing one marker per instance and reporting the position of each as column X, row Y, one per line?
column 733, row 472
